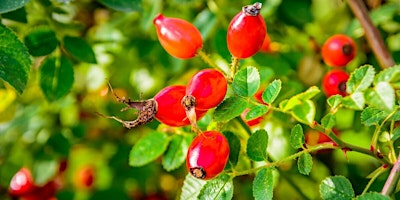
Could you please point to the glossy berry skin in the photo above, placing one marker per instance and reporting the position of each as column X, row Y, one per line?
column 208, row 87
column 22, row 183
column 178, row 37
column 169, row 108
column 246, row 32
column 46, row 192
column 338, row 50
column 334, row 82
column 207, row 155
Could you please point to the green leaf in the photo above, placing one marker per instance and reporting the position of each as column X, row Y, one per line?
column 372, row 196
column 354, row 101
column 10, row 5
column 229, row 109
column 300, row 98
column 396, row 134
column 373, row 116
column 272, row 91
column 257, row 145
column 79, row 49
column 297, row 136
column 246, row 82
column 56, row 77
column 360, row 79
column 263, row 185
column 256, row 111
column 305, row 163
column 148, row 148
column 41, row 41
column 390, row 75
column 44, row 170
column 382, row 96
column 304, row 112
column 14, row 60
column 123, row 5
column 334, row 101
column 328, row 121
column 336, row 188
column 234, row 147
column 218, row 188
column 191, row 187
column 176, row 153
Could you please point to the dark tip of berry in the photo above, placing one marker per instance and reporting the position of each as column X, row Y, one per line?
column 189, row 102
column 198, row 172
column 342, row 86
column 252, row 10
column 347, row 49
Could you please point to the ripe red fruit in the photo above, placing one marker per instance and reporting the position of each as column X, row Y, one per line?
column 177, row 36
column 208, row 87
column 334, row 82
column 207, row 155
column 46, row 192
column 246, row 32
column 169, row 108
column 22, row 183
column 338, row 50
column 266, row 45
column 85, row 177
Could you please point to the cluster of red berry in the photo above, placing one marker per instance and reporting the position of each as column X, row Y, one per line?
column 337, row 52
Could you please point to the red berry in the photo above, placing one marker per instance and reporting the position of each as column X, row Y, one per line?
column 246, row 32
column 334, row 82
column 207, row 155
column 338, row 50
column 266, row 45
column 169, row 108
column 208, row 87
column 45, row 192
column 22, row 183
column 313, row 138
column 85, row 177
column 178, row 37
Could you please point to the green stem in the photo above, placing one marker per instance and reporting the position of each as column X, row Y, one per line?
column 234, row 66
column 377, row 173
column 393, row 179
column 206, row 58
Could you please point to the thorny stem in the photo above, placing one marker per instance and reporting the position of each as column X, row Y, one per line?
column 372, row 34
column 206, row 58
column 234, row 66
column 374, row 141
column 376, row 173
column 393, row 179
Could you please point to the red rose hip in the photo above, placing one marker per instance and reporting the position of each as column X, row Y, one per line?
column 207, row 155
column 338, row 50
column 22, row 183
column 334, row 82
column 178, row 37
column 246, row 32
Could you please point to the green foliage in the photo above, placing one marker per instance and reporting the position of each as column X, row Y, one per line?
column 304, row 163
column 218, row 188
column 336, row 187
column 257, row 145
column 246, row 82
column 10, row 5
column 176, row 153
column 272, row 91
column 297, row 137
column 229, row 109
column 263, row 185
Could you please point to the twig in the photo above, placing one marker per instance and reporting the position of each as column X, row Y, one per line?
column 393, row 178
column 372, row 34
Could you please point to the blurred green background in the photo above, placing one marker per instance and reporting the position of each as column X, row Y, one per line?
column 116, row 41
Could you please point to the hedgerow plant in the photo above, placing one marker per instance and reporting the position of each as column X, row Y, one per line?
column 240, row 101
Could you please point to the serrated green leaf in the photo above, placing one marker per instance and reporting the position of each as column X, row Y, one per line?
column 218, row 188
column 41, row 41
column 257, row 145
column 328, row 121
column 10, row 5
column 79, row 49
column 148, row 148
column 373, row 116
column 229, row 109
column 354, row 101
column 390, row 75
column 234, row 147
column 175, row 155
column 297, row 136
column 246, row 82
column 123, row 5
column 191, row 187
column 14, row 60
column 334, row 101
column 360, row 79
column 256, row 111
column 305, row 163
column 301, row 98
column 304, row 112
column 372, row 196
column 263, row 185
column 336, row 188
column 382, row 96
column 272, row 91
column 396, row 134
column 44, row 170
column 56, row 77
